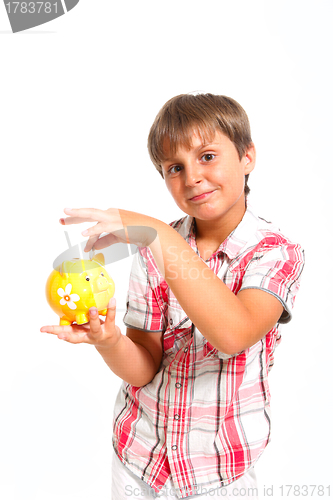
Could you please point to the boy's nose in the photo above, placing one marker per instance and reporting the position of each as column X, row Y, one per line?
column 193, row 176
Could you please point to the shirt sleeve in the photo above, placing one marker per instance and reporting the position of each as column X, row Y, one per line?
column 143, row 303
column 277, row 271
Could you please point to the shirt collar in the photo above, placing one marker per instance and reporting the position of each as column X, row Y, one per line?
column 237, row 239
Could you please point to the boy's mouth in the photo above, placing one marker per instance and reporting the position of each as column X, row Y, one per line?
column 202, row 196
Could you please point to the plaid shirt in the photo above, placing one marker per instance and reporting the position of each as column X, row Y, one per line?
column 205, row 417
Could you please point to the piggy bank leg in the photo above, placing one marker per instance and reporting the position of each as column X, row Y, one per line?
column 64, row 321
column 81, row 318
column 104, row 312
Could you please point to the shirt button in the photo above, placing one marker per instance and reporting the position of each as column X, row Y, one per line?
column 178, row 385
column 174, row 447
column 186, row 349
column 176, row 417
column 171, row 321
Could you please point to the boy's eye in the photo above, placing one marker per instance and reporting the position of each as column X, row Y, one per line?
column 208, row 157
column 175, row 169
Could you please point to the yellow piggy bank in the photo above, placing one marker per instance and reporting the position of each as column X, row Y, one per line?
column 75, row 286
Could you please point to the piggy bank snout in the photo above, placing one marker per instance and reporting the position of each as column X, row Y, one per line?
column 102, row 284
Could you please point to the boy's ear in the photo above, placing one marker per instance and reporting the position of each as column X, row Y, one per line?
column 250, row 159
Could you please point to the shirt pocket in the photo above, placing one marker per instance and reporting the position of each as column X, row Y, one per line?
column 178, row 330
column 177, row 318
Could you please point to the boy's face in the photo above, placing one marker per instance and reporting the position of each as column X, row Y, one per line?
column 207, row 180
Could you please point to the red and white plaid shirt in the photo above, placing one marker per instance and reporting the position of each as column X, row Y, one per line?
column 205, row 417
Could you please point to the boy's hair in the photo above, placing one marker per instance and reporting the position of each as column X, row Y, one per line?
column 204, row 113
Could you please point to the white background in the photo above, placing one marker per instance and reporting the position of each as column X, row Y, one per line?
column 78, row 96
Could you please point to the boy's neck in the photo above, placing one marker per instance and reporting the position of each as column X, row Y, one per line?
column 211, row 233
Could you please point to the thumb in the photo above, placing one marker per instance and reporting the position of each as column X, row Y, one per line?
column 94, row 322
column 111, row 313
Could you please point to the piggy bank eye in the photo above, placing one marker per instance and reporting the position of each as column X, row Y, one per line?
column 102, row 274
column 87, row 278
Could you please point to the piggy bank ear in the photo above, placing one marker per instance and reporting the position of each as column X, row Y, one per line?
column 99, row 258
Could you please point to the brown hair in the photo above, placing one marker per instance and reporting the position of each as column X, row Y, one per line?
column 204, row 113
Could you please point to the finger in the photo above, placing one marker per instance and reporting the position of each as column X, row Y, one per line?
column 74, row 334
column 95, row 323
column 90, row 243
column 56, row 330
column 74, row 220
column 111, row 313
column 87, row 213
column 105, row 241
column 97, row 229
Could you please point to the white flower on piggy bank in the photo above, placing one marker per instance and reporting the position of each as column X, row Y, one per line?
column 67, row 298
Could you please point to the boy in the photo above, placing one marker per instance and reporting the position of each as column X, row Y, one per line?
column 206, row 297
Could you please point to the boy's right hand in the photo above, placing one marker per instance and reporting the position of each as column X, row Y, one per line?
column 96, row 332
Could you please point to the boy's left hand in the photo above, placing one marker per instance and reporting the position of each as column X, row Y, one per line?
column 123, row 227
